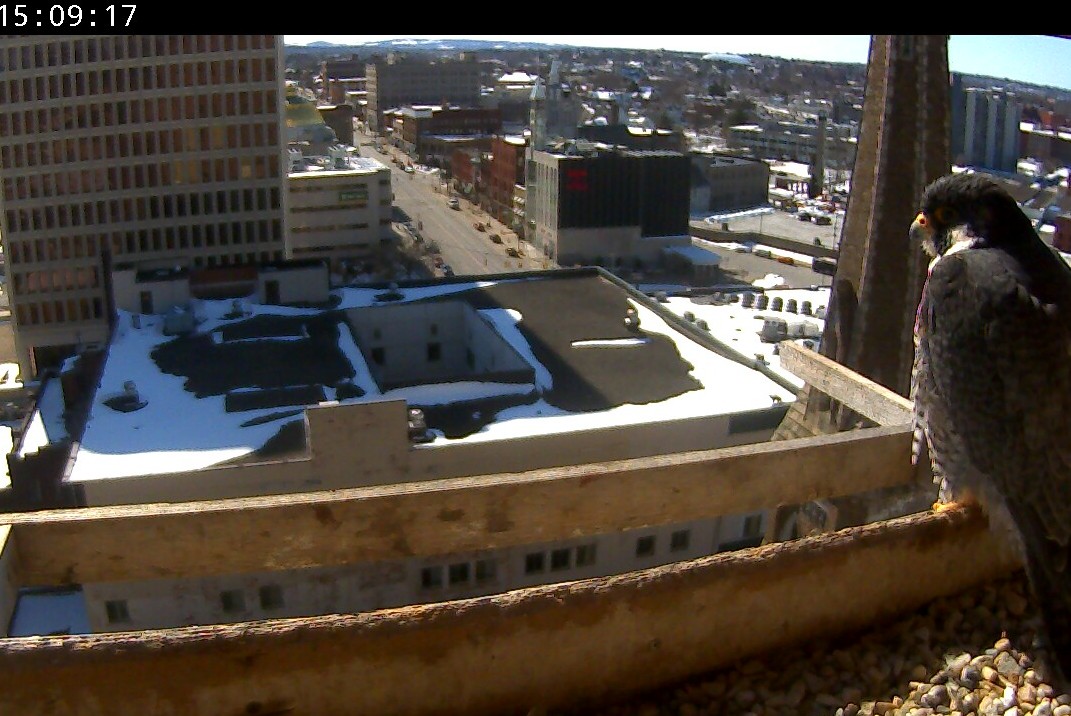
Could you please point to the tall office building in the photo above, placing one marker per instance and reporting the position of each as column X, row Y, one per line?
column 399, row 80
column 150, row 151
column 991, row 129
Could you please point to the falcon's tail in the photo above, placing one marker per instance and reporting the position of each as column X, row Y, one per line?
column 1052, row 594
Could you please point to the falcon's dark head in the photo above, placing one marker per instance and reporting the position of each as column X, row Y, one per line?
column 967, row 207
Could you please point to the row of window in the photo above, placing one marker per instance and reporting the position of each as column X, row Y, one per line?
column 35, row 52
column 68, row 311
column 188, row 107
column 202, row 207
column 67, row 279
column 357, row 247
column 306, row 185
column 161, row 238
column 157, row 204
column 66, row 148
column 143, row 78
column 455, row 574
column 326, row 228
column 467, row 573
column 232, row 601
column 360, row 204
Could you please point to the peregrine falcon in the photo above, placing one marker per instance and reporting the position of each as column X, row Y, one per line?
column 992, row 380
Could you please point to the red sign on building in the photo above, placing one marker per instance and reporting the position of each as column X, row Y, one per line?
column 576, row 179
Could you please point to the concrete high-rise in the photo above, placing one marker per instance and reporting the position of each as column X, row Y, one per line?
column 150, row 151
column 991, row 130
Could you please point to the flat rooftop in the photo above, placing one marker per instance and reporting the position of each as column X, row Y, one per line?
column 230, row 389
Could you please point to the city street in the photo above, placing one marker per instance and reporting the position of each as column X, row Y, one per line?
column 421, row 198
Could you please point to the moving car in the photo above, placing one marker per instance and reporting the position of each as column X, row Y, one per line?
column 495, row 238
column 455, row 204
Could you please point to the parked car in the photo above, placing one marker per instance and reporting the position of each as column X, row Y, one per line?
column 455, row 204
column 478, row 225
column 511, row 251
column 447, row 271
column 495, row 238
column 439, row 263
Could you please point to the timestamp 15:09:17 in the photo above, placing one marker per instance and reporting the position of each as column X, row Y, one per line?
column 66, row 16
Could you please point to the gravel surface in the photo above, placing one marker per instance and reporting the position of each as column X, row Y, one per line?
column 973, row 653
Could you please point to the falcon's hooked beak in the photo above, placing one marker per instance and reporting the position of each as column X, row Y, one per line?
column 922, row 233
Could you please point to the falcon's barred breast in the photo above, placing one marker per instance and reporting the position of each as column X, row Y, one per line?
column 992, row 378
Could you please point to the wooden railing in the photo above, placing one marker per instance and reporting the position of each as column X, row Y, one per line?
column 545, row 646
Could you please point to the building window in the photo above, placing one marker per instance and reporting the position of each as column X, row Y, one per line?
column 559, row 559
column 458, row 573
column 431, row 577
column 435, row 352
column 645, row 546
column 534, row 563
column 117, row 611
column 679, row 540
column 485, row 570
column 752, row 526
column 271, row 596
column 233, row 600
column 585, row 555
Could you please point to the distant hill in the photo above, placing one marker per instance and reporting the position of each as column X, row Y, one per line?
column 320, row 47
column 425, row 44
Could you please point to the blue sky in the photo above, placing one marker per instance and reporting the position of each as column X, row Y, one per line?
column 1029, row 58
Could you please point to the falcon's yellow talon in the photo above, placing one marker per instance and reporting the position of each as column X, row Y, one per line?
column 940, row 507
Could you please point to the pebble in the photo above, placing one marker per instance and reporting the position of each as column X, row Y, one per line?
column 971, row 654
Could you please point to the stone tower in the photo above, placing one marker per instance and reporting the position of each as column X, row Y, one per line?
column 903, row 145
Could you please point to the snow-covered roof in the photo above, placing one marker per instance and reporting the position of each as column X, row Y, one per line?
column 740, row 327
column 517, row 78
column 178, row 431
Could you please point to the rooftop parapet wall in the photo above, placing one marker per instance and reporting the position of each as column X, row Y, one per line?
column 377, row 451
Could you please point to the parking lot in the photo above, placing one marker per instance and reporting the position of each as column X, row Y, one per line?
column 786, row 225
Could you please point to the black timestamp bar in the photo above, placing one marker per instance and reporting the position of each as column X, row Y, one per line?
column 66, row 17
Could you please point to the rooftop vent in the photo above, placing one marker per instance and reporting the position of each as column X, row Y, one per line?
column 418, row 427
column 127, row 401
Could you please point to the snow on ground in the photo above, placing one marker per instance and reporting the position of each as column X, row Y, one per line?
column 177, row 432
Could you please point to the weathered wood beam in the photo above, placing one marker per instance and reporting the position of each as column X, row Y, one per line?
column 558, row 646
column 448, row 516
column 864, row 396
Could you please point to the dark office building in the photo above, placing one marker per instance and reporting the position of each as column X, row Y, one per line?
column 609, row 204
